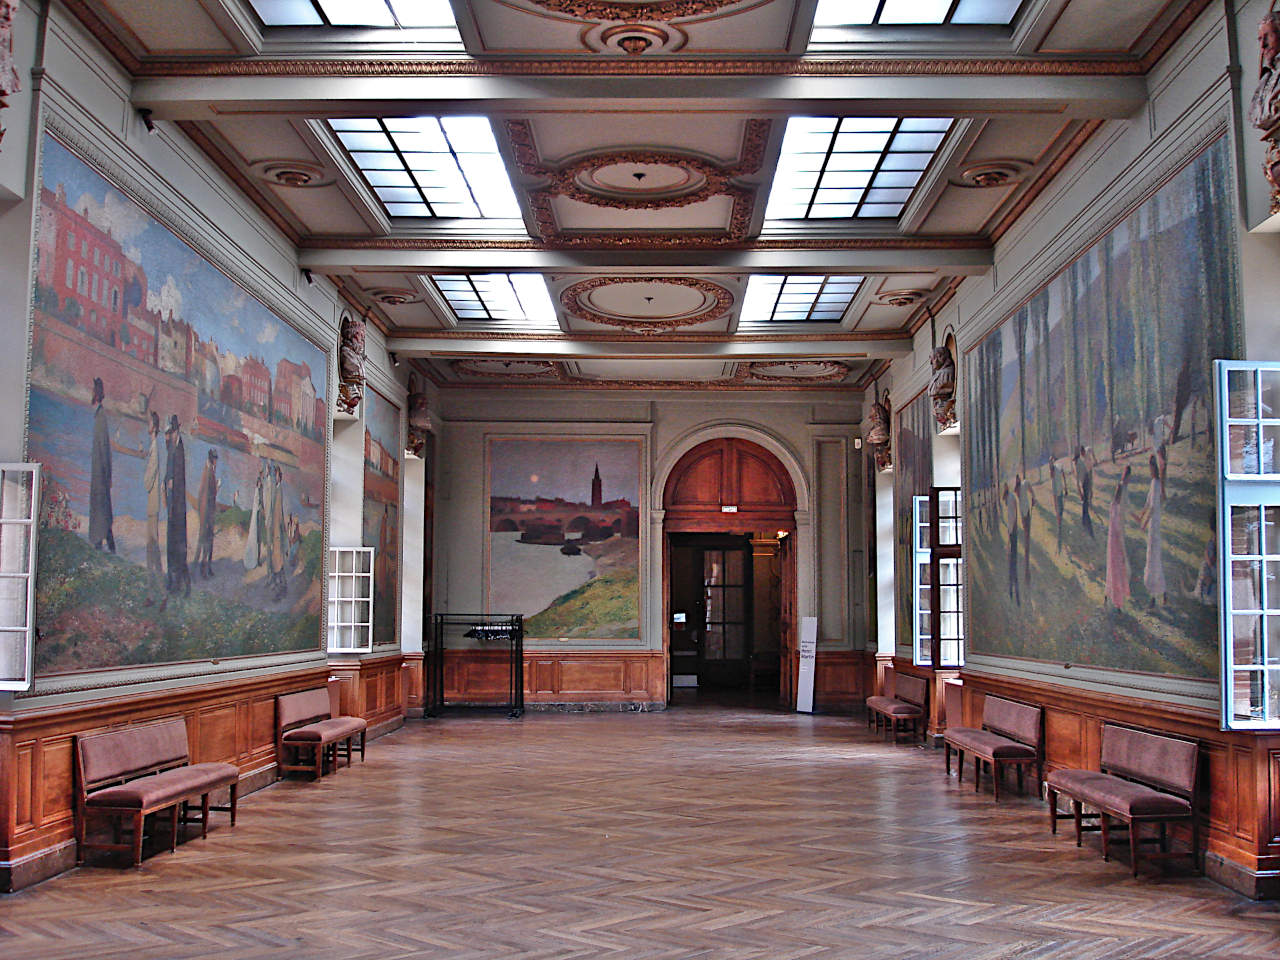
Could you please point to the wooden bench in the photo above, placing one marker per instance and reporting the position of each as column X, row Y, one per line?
column 131, row 772
column 909, row 703
column 304, row 722
column 1145, row 778
column 1012, row 734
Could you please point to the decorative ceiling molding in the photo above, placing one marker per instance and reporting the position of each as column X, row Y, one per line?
column 657, row 11
column 509, row 369
column 901, row 298
column 719, row 301
column 799, row 371
column 393, row 296
column 291, row 173
column 992, row 173
column 704, row 178
column 671, row 241
column 556, row 377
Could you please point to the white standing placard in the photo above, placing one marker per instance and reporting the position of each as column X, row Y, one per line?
column 808, row 654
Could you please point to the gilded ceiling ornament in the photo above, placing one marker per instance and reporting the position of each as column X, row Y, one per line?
column 658, row 11
column 509, row 369
column 1264, row 109
column 572, row 299
column 9, row 81
column 800, row 371
column 992, row 173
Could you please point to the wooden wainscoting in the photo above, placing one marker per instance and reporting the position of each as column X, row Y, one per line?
column 415, row 688
column 554, row 676
column 1240, row 771
column 372, row 688
column 231, row 720
column 937, row 692
column 842, row 678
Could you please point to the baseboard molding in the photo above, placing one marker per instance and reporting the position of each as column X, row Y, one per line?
column 37, row 867
column 386, row 726
column 608, row 706
column 1262, row 885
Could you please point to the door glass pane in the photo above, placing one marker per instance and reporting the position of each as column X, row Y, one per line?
column 713, row 567
column 1244, row 531
column 1242, row 400
column 1246, row 634
column 1242, row 446
column 734, row 567
column 713, row 648
column 1246, row 584
column 735, row 642
column 1247, row 694
column 733, row 604
column 715, row 605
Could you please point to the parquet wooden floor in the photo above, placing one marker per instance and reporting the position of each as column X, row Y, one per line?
column 691, row 834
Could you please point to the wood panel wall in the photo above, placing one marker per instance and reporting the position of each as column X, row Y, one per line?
column 624, row 676
column 1240, row 771
column 372, row 688
column 842, row 679
column 231, row 721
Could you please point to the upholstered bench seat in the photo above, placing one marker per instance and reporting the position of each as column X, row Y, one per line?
column 163, row 789
column 1118, row 796
column 988, row 744
column 326, row 731
column 894, row 708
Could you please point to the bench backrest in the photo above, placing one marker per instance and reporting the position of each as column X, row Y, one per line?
column 1017, row 721
column 1165, row 763
column 129, row 752
column 911, row 689
column 295, row 709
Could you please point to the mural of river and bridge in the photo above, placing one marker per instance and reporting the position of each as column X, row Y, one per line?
column 564, row 535
column 1090, row 458
column 182, row 426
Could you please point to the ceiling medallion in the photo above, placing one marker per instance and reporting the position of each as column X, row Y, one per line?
column 291, row 173
column 711, row 302
column 992, row 173
column 393, row 296
column 659, row 11
column 901, row 298
column 639, row 180
column 508, row 369
column 634, row 39
column 800, row 371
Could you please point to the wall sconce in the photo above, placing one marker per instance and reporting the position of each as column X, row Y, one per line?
column 145, row 114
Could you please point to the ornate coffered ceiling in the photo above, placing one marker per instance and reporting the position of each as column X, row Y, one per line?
column 642, row 139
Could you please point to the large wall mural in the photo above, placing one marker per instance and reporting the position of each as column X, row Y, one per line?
column 182, row 428
column 564, row 535
column 381, row 515
column 912, row 477
column 1090, row 458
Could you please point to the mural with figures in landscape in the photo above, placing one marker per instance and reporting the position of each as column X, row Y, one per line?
column 1090, row 458
column 912, row 477
column 564, row 535
column 182, row 428
column 381, row 516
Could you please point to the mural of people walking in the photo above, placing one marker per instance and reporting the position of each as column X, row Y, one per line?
column 1089, row 398
column 162, row 394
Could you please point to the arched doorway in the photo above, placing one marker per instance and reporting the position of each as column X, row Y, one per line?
column 729, row 573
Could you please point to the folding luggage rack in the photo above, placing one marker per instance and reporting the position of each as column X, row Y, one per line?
column 483, row 635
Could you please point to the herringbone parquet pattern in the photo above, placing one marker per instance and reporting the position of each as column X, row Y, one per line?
column 690, row 834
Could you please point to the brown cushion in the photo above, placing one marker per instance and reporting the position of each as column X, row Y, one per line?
column 1123, row 797
column 163, row 789
column 326, row 731
column 128, row 750
column 988, row 744
column 911, row 689
column 893, row 707
column 1019, row 721
column 303, row 707
column 1162, row 761
column 1072, row 781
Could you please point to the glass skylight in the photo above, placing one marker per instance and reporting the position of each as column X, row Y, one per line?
column 798, row 299
column 853, row 166
column 355, row 13
column 429, row 167
column 858, row 13
column 498, row 296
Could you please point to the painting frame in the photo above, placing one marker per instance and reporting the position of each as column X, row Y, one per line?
column 397, row 454
column 157, row 200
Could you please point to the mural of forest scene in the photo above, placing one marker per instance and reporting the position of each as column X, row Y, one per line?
column 381, row 516
column 182, row 429
column 912, row 477
column 564, row 535
column 1090, row 456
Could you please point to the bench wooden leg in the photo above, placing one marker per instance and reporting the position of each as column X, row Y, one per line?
column 997, row 772
column 319, row 761
column 137, row 838
column 362, row 735
column 959, row 766
column 204, row 816
column 1075, row 810
column 1053, row 811
column 946, row 751
column 173, row 827
column 234, row 788
column 1133, row 844
column 1022, row 786
column 1106, row 836
column 977, row 774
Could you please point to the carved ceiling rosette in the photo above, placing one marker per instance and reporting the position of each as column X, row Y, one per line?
column 508, row 369
column 715, row 302
column 639, row 179
column 799, row 371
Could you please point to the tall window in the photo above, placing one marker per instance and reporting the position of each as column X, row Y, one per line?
column 19, row 509
column 1248, row 548
column 937, row 579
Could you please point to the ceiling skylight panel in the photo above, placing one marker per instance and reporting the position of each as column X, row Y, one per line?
column 408, row 14
column 841, row 168
column 431, row 167
column 511, row 297
column 798, row 298
column 863, row 13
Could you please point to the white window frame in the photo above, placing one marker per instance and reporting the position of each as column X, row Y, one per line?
column 921, row 555
column 350, row 627
column 18, row 567
column 1238, row 488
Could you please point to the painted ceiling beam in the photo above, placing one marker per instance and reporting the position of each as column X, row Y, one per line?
column 484, row 347
column 962, row 261
column 1068, row 96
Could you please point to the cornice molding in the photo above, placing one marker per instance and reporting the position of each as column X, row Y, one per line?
column 676, row 241
column 722, row 300
column 655, row 11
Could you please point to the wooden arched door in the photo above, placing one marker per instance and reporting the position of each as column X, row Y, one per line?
column 733, row 487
